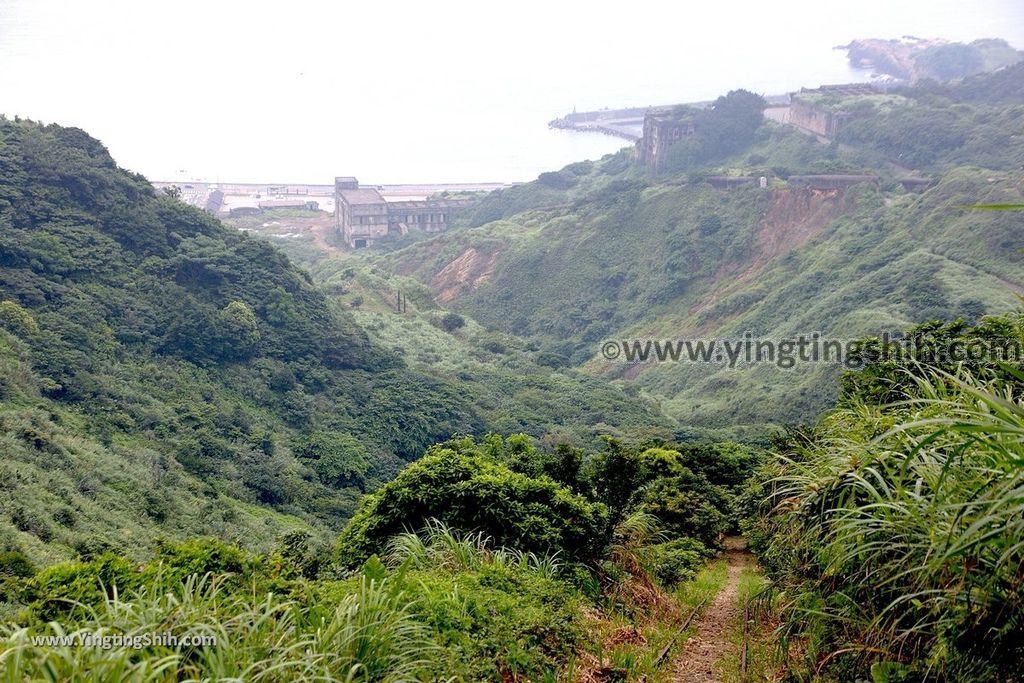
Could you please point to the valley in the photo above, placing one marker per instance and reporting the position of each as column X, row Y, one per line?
column 400, row 455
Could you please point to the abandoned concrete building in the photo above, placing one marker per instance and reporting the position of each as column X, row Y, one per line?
column 662, row 129
column 363, row 216
column 831, row 182
column 813, row 109
column 301, row 204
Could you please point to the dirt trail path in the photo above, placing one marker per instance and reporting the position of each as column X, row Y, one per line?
column 697, row 659
column 319, row 231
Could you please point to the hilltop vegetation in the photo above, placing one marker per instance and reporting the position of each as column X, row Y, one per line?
column 893, row 527
column 562, row 550
column 165, row 375
column 621, row 254
column 938, row 127
column 913, row 59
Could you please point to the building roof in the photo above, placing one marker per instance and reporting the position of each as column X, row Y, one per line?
column 833, row 176
column 843, row 89
column 284, row 203
column 366, row 195
column 429, row 204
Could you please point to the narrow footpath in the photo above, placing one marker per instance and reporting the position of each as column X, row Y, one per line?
column 698, row 658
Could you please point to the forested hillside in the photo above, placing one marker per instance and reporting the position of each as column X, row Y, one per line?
column 605, row 250
column 163, row 375
column 412, row 464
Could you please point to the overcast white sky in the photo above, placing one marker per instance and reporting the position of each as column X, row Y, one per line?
column 303, row 90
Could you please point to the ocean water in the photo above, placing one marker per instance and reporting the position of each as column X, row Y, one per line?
column 416, row 92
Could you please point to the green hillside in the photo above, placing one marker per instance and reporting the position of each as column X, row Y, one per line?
column 415, row 463
column 163, row 375
column 616, row 253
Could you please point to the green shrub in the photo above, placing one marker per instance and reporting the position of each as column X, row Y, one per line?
column 500, row 623
column 14, row 564
column 62, row 589
column 368, row 633
column 338, row 459
column 902, row 526
column 659, row 481
column 470, row 490
column 450, row 322
column 677, row 560
column 199, row 556
column 16, row 319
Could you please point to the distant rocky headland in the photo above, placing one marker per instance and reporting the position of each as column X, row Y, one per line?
column 911, row 59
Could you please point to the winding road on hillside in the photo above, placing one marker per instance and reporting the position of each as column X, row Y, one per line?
column 699, row 658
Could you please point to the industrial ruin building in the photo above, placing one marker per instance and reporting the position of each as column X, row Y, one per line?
column 662, row 129
column 817, row 110
column 363, row 216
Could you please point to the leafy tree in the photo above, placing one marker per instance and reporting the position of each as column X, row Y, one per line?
column 452, row 321
column 280, row 308
column 338, row 459
column 16, row 319
column 727, row 127
column 991, row 349
column 467, row 489
column 239, row 330
column 688, row 487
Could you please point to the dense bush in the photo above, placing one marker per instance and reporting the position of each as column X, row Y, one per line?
column 498, row 596
column 688, row 487
column 678, row 560
column 478, row 613
column 64, row 589
column 895, row 531
column 462, row 486
column 338, row 459
column 935, row 128
column 369, row 633
column 14, row 564
column 725, row 128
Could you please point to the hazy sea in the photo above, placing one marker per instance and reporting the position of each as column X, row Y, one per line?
column 416, row 92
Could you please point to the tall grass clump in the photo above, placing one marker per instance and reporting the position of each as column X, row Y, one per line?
column 369, row 635
column 500, row 613
column 439, row 546
column 896, row 534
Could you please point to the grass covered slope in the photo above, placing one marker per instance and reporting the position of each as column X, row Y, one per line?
column 611, row 252
column 893, row 528
column 515, row 385
column 162, row 374
column 553, row 558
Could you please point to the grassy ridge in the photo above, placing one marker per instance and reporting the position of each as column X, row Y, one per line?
column 162, row 374
column 607, row 251
column 893, row 532
column 563, row 559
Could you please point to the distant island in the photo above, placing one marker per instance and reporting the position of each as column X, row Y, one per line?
column 912, row 59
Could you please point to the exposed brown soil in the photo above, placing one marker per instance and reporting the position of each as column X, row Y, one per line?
column 794, row 217
column 698, row 658
column 319, row 229
column 471, row 269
